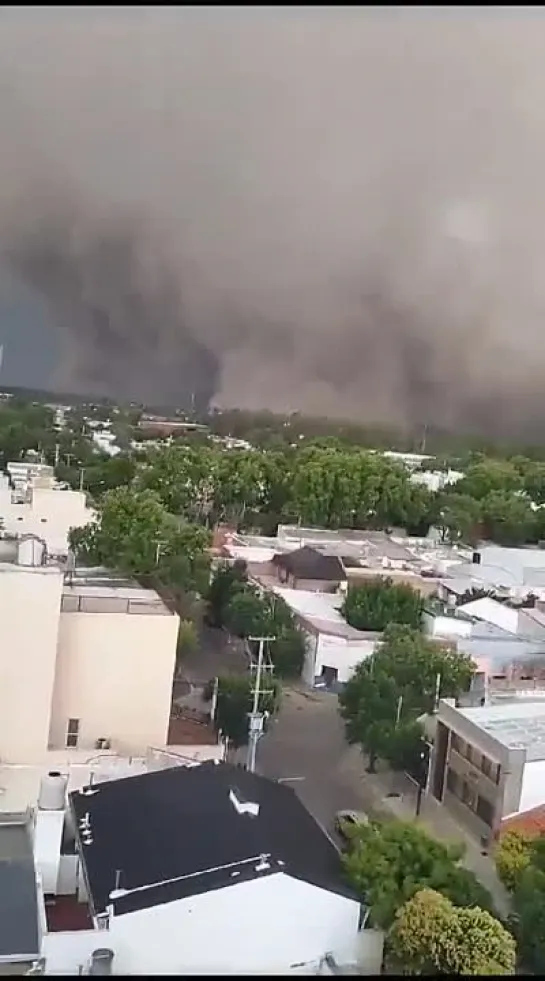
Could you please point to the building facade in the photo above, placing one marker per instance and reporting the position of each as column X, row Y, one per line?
column 85, row 666
column 488, row 763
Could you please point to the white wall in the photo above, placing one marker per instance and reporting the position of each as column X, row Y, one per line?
column 29, row 619
column 345, row 655
column 50, row 515
column 285, row 922
column 439, row 626
column 114, row 673
column 491, row 611
column 48, row 829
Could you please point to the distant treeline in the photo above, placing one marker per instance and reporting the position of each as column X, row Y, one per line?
column 263, row 428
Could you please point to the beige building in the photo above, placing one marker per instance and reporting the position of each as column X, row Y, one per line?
column 488, row 763
column 86, row 666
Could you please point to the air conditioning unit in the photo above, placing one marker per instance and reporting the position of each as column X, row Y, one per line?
column 103, row 743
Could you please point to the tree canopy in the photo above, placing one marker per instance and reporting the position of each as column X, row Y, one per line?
column 315, row 472
column 379, row 602
column 234, row 703
column 136, row 535
column 382, row 701
column 522, row 867
column 432, row 935
column 389, row 861
column 246, row 612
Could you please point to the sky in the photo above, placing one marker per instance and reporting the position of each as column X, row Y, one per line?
column 335, row 210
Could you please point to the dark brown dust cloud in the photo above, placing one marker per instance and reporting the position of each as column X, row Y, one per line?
column 339, row 211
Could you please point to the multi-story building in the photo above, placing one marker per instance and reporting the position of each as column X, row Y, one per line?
column 87, row 663
column 488, row 762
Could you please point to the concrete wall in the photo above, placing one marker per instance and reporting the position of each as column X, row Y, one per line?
column 114, row 673
column 29, row 620
column 286, row 923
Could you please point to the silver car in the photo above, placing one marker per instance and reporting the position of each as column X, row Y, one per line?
column 346, row 821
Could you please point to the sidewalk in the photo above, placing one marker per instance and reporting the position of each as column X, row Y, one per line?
column 437, row 821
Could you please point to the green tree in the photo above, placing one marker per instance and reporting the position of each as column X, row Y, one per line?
column 458, row 517
column 234, row 704
column 529, row 908
column 507, row 519
column 241, row 484
column 389, row 861
column 512, row 856
column 379, row 602
column 399, row 683
column 136, row 535
column 431, row 935
column 226, row 580
column 488, row 476
column 288, row 651
column 183, row 478
column 117, row 471
column 248, row 613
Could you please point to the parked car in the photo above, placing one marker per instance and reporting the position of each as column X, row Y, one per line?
column 346, row 821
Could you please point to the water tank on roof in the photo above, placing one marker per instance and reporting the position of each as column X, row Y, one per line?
column 52, row 795
column 31, row 551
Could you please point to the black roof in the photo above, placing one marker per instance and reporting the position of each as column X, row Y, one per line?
column 181, row 822
column 310, row 563
column 19, row 932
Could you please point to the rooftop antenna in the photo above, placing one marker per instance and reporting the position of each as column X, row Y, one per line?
column 256, row 717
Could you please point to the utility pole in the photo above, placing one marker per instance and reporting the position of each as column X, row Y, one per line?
column 256, row 717
column 82, row 471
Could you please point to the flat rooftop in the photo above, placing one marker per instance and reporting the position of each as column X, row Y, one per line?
column 517, row 725
column 93, row 591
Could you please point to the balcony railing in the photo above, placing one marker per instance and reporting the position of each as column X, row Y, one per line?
column 113, row 604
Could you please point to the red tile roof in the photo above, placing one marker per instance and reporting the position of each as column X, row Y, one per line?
column 65, row 913
column 529, row 822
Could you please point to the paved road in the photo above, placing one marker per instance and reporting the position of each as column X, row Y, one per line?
column 307, row 740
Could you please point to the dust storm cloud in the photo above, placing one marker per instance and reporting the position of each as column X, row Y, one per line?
column 337, row 211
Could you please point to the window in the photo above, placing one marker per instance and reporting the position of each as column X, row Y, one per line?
column 72, row 734
column 497, row 775
column 457, row 743
column 487, row 767
column 485, row 811
column 453, row 782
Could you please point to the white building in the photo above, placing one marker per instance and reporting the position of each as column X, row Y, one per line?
column 518, row 571
column 173, row 860
column 45, row 511
column 85, row 665
column 334, row 649
column 436, row 480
